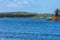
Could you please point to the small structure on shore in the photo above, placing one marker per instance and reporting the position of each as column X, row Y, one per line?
column 57, row 15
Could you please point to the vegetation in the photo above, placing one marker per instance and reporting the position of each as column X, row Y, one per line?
column 45, row 15
column 24, row 14
column 16, row 14
column 28, row 14
column 57, row 12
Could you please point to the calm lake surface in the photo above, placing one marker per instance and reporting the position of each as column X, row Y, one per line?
column 29, row 29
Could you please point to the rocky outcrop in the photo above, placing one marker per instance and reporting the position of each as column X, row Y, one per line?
column 56, row 18
column 57, row 15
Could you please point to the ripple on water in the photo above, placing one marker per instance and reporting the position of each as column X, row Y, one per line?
column 28, row 29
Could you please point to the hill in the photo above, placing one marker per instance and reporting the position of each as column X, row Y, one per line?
column 24, row 14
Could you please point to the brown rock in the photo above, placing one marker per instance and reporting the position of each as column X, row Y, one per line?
column 56, row 18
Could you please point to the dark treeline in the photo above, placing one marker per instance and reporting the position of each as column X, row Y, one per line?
column 24, row 14
column 16, row 14
column 28, row 14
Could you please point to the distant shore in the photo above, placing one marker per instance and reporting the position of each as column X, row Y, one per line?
column 24, row 15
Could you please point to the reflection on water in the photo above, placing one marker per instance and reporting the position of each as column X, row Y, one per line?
column 29, row 29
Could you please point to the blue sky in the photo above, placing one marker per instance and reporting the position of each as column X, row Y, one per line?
column 38, row 6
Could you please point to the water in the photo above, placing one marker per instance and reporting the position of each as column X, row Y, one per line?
column 29, row 29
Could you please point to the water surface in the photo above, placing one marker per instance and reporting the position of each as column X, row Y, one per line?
column 29, row 29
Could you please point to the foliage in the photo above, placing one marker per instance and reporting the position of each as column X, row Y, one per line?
column 24, row 14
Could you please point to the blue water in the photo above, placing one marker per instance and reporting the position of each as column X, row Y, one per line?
column 29, row 29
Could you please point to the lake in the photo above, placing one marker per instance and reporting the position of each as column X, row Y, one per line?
column 29, row 29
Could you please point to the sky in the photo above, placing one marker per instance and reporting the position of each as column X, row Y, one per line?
column 38, row 6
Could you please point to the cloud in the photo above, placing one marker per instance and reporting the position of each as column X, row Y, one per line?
column 14, row 5
column 25, row 2
column 11, row 5
column 1, row 0
column 17, row 4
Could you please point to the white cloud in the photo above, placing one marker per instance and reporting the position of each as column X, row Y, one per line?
column 17, row 4
column 26, row 2
column 11, row 4
column 1, row 0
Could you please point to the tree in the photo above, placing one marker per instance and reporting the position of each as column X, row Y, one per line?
column 56, row 12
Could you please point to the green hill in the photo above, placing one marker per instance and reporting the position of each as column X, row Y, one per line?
column 24, row 14
column 16, row 14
